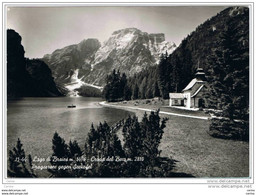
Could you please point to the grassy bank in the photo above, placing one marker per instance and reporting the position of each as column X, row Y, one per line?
column 159, row 104
column 197, row 153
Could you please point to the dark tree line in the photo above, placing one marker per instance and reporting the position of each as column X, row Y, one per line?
column 175, row 71
column 142, row 85
column 116, row 88
column 88, row 91
column 141, row 141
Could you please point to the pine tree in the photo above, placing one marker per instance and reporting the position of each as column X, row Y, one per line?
column 142, row 139
column 17, row 162
column 142, row 88
column 60, row 151
column 186, row 71
column 162, row 78
column 153, row 131
column 156, row 92
column 132, row 134
column 74, row 149
column 102, row 143
column 135, row 93
column 116, row 88
column 127, row 93
column 228, row 77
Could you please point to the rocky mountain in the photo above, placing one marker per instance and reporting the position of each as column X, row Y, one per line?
column 26, row 77
column 130, row 50
column 73, row 61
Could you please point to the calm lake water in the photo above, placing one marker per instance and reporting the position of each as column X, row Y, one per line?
column 34, row 121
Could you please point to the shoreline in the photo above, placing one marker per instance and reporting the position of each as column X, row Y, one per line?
column 150, row 110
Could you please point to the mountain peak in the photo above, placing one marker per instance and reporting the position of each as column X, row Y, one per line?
column 88, row 44
column 129, row 33
column 126, row 30
column 86, row 41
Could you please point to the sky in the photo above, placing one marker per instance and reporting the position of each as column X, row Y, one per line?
column 45, row 29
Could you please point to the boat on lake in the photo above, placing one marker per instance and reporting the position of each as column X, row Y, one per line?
column 71, row 106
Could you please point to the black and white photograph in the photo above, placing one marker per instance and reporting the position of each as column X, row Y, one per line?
column 127, row 91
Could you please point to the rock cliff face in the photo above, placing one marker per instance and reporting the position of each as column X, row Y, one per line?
column 66, row 61
column 41, row 78
column 26, row 77
column 129, row 50
column 17, row 76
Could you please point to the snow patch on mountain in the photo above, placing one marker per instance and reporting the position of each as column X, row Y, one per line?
column 124, row 41
column 77, row 83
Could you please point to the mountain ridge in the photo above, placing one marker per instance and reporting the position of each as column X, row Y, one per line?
column 130, row 50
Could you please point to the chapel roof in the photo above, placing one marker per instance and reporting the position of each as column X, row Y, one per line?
column 192, row 83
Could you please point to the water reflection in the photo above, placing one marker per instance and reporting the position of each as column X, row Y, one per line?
column 34, row 121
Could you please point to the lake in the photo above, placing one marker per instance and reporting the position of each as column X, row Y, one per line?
column 35, row 120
